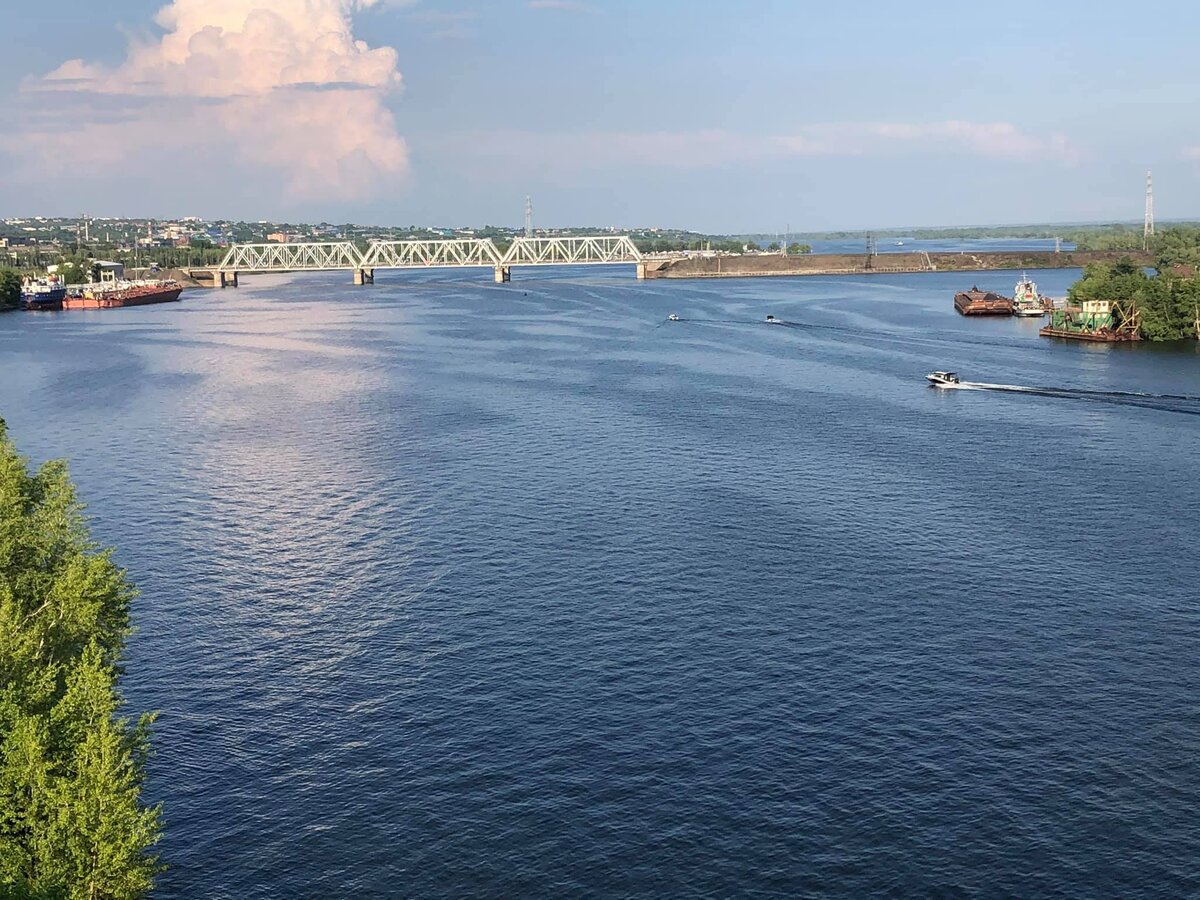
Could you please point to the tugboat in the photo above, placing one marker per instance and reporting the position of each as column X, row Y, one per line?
column 1026, row 299
column 982, row 303
column 43, row 293
column 942, row 379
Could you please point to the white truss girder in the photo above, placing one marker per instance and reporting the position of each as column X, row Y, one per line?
column 525, row 251
column 430, row 254
column 571, row 251
column 291, row 257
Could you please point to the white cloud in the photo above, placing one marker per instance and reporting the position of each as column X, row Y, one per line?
column 281, row 87
column 712, row 148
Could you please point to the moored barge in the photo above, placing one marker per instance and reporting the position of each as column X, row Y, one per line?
column 982, row 303
column 1098, row 321
column 115, row 294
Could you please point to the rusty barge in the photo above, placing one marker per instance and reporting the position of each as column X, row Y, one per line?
column 982, row 303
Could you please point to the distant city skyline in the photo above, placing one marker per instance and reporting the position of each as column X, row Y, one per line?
column 677, row 115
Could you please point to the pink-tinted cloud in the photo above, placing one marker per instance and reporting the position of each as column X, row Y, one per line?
column 280, row 88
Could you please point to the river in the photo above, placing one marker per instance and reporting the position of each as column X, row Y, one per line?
column 455, row 589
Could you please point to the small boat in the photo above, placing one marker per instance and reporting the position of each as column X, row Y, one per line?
column 772, row 320
column 672, row 318
column 942, row 379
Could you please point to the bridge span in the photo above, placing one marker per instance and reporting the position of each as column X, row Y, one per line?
column 249, row 259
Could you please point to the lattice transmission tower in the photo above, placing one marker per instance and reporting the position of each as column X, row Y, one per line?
column 1148, row 222
column 528, row 216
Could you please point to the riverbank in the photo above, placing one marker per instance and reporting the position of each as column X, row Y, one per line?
column 860, row 264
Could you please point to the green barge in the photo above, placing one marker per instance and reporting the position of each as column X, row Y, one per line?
column 1094, row 320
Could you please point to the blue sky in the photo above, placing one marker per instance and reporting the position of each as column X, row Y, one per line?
column 712, row 116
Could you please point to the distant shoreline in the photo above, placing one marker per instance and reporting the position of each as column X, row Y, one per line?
column 860, row 264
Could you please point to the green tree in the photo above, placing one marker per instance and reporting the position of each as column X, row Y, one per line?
column 1177, row 246
column 72, row 824
column 10, row 289
column 72, row 273
column 1168, row 305
column 798, row 249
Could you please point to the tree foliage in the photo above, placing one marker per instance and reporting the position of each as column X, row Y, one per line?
column 1168, row 304
column 72, row 824
column 10, row 289
column 1177, row 246
column 668, row 245
column 72, row 272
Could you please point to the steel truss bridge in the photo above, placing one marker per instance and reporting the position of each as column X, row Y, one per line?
column 246, row 259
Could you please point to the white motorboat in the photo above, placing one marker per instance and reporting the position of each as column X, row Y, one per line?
column 943, row 379
column 672, row 318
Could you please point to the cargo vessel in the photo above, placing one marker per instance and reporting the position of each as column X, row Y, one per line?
column 1027, row 301
column 1094, row 320
column 982, row 303
column 115, row 294
column 43, row 293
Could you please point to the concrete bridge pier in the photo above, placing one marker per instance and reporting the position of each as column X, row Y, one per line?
column 364, row 276
column 503, row 274
column 223, row 279
column 641, row 271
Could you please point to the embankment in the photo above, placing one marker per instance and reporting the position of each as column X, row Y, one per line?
column 859, row 264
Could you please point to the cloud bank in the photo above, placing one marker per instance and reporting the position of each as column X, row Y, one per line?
column 280, row 87
column 711, row 148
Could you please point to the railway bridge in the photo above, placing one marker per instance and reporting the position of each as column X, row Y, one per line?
column 461, row 253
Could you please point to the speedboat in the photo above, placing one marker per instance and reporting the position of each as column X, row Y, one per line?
column 672, row 318
column 942, row 379
column 772, row 320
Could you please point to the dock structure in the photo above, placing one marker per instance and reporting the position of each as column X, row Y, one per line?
column 248, row 259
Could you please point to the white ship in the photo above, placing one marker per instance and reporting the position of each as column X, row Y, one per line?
column 1026, row 299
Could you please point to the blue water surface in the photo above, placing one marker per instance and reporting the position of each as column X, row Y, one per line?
column 453, row 589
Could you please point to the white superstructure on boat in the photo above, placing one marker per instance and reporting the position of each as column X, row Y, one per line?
column 1026, row 299
column 943, row 379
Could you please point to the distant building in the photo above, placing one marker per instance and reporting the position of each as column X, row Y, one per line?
column 279, row 237
column 108, row 271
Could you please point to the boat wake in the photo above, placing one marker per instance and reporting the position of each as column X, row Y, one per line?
column 1183, row 403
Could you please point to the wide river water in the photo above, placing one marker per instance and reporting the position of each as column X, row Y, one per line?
column 452, row 589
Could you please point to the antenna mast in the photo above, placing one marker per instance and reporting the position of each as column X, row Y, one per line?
column 1148, row 224
column 528, row 216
